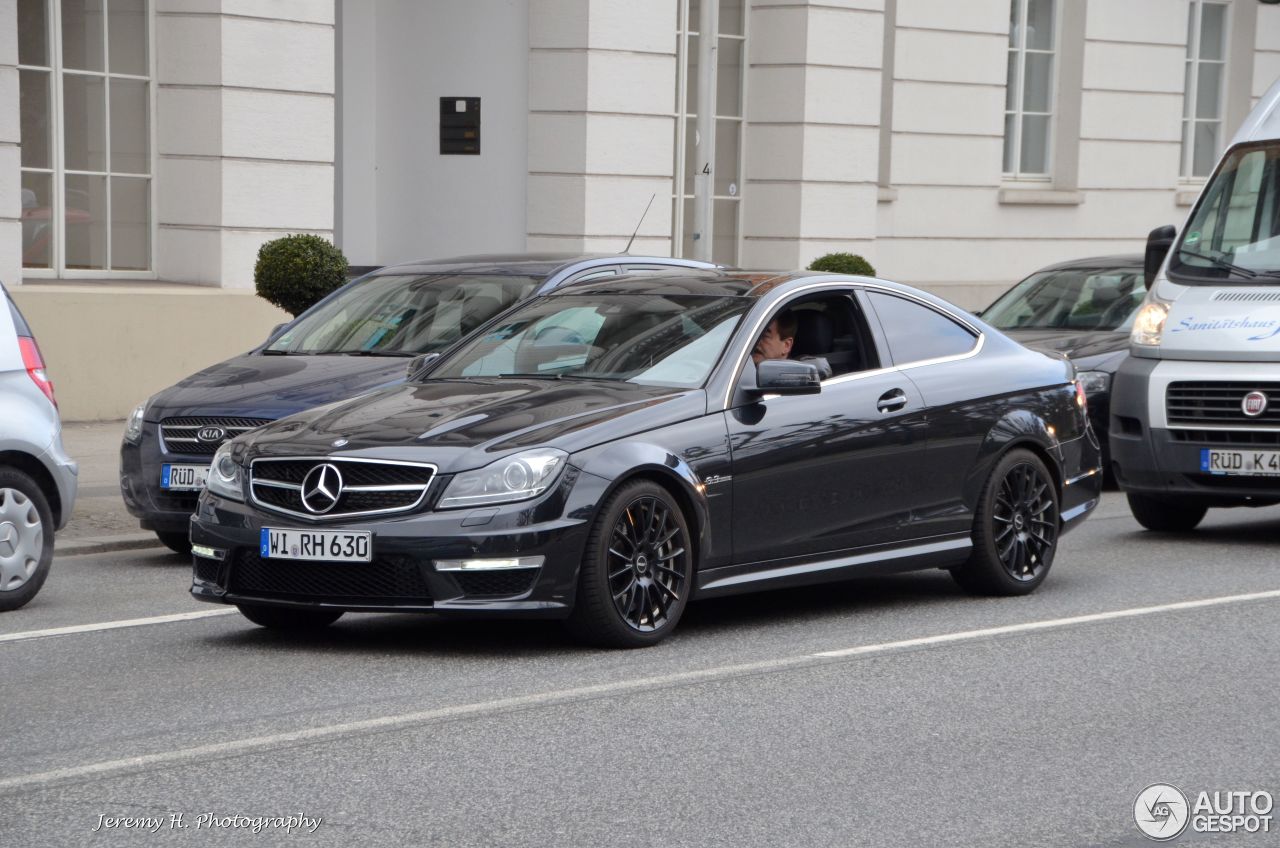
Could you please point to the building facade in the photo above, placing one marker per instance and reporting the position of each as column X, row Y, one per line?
column 148, row 147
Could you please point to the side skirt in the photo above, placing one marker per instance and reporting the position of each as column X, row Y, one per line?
column 733, row 579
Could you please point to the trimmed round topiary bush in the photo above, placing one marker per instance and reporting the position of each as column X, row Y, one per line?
column 296, row 271
column 843, row 263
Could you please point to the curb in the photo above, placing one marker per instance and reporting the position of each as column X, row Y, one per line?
column 106, row 544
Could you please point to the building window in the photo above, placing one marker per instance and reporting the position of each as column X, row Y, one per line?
column 84, row 71
column 1029, row 95
column 1202, row 103
column 727, row 168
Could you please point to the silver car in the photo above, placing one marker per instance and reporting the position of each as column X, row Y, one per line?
column 37, row 478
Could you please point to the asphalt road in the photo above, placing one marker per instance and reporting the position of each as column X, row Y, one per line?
column 888, row 711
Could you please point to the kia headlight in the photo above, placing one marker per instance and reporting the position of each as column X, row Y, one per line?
column 133, row 426
column 514, row 478
column 226, row 476
column 1094, row 382
column 1148, row 324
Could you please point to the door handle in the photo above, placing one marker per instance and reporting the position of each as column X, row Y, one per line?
column 892, row 401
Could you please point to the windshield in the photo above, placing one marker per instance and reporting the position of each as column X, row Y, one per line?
column 651, row 339
column 402, row 314
column 1235, row 232
column 1074, row 299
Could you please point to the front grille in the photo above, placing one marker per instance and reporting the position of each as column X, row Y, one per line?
column 385, row 580
column 367, row 486
column 1258, row 438
column 515, row 581
column 1220, row 403
column 182, row 435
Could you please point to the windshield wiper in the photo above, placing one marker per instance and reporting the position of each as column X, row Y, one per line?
column 535, row 376
column 1220, row 263
column 400, row 353
column 274, row 352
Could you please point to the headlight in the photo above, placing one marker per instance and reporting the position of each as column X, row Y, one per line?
column 226, row 477
column 133, row 427
column 1148, row 324
column 515, row 478
column 1094, row 382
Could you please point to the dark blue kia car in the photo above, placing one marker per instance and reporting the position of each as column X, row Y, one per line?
column 369, row 334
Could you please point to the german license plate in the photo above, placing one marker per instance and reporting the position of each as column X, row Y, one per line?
column 1240, row 462
column 183, row 478
column 315, row 545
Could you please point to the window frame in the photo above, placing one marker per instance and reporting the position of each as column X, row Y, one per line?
column 58, row 170
column 684, row 117
column 1190, row 95
column 1019, row 112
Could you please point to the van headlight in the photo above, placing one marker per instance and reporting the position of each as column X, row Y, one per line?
column 1148, row 324
column 226, row 476
column 514, row 478
column 133, row 426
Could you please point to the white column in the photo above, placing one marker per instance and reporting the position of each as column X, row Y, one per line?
column 10, row 158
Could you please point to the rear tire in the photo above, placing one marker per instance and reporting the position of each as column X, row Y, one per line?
column 179, row 543
column 288, row 618
column 26, row 538
column 637, row 570
column 1166, row 515
column 1015, row 529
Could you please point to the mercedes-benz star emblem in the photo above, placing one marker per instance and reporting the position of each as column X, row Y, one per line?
column 1254, row 404
column 321, row 488
column 211, row 434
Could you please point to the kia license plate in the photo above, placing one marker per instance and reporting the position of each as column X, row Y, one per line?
column 183, row 478
column 1249, row 463
column 315, row 545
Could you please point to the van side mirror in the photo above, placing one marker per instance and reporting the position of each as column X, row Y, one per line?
column 1158, row 243
column 418, row 363
column 787, row 377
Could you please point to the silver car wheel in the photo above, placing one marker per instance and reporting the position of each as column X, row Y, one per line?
column 21, row 539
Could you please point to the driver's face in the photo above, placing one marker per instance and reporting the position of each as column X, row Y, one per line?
column 771, row 346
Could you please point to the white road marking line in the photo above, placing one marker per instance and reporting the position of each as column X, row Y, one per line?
column 277, row 740
column 112, row 625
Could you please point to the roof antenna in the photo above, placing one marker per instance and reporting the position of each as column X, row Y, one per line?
column 627, row 249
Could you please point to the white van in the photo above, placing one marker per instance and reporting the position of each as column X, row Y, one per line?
column 1195, row 409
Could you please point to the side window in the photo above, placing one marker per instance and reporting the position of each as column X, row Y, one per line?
column 916, row 332
column 830, row 328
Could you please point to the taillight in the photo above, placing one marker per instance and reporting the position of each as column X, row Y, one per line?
column 34, row 364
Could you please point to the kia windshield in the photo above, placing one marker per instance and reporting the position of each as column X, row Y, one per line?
column 1070, row 299
column 1234, row 234
column 651, row 339
column 402, row 314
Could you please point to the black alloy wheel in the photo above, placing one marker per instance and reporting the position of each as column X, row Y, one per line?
column 637, row 571
column 1015, row 530
column 288, row 618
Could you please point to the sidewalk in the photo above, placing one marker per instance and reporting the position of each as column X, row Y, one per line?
column 100, row 521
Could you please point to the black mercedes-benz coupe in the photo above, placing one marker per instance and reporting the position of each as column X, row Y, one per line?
column 608, row 452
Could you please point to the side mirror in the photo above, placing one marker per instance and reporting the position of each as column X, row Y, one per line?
column 275, row 331
column 788, row 377
column 418, row 363
column 1158, row 243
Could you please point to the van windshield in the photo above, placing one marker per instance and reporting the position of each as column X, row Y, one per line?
column 1234, row 235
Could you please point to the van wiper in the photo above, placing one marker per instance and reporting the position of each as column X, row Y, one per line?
column 1220, row 263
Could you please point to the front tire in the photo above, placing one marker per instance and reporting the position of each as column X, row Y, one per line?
column 179, row 543
column 288, row 618
column 637, row 570
column 26, row 538
column 1015, row 529
column 1166, row 515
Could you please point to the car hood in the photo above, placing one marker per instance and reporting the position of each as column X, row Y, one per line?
column 255, row 386
column 463, row 424
column 1075, row 345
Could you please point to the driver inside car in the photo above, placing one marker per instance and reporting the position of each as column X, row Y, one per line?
column 778, row 338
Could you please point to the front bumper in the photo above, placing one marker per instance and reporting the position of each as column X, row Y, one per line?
column 1150, row 457
column 140, row 470
column 403, row 575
